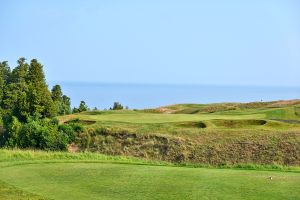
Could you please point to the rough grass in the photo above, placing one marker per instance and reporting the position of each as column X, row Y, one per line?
column 256, row 136
column 258, row 132
column 274, row 115
column 57, row 175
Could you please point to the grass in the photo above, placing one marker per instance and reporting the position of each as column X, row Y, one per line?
column 217, row 134
column 9, row 192
column 214, row 117
column 187, row 151
column 56, row 175
column 242, row 121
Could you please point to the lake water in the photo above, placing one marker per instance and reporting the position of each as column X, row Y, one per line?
column 149, row 96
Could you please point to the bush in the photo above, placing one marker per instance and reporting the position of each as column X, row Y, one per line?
column 40, row 134
column 68, row 131
column 13, row 126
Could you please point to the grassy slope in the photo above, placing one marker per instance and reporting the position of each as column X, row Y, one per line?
column 110, row 180
column 158, row 121
column 94, row 176
column 230, row 133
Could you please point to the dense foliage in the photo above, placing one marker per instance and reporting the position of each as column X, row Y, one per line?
column 117, row 106
column 40, row 134
column 27, row 108
column 82, row 107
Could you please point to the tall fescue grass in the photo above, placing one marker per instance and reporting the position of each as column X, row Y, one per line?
column 16, row 156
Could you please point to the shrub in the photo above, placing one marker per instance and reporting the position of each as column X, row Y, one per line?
column 13, row 127
column 40, row 134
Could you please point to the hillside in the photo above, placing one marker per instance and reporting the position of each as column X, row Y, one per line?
column 215, row 134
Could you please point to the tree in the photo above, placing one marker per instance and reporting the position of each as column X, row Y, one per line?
column 39, row 97
column 117, row 106
column 56, row 93
column 82, row 107
column 25, row 105
column 13, row 130
column 66, row 105
column 62, row 102
column 75, row 110
column 18, row 82
column 4, row 78
column 20, row 72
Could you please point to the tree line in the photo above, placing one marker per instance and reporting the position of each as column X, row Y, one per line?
column 28, row 108
column 24, row 92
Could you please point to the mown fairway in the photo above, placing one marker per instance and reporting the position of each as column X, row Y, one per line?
column 26, row 176
column 183, row 119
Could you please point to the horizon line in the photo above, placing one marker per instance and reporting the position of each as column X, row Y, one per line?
column 53, row 82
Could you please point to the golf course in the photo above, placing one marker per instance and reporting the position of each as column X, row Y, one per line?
column 41, row 175
column 213, row 134
column 150, row 100
column 188, row 151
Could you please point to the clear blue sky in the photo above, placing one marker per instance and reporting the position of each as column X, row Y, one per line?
column 254, row 42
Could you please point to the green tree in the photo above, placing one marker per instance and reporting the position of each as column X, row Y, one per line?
column 82, row 107
column 62, row 102
column 13, row 129
column 75, row 110
column 20, row 72
column 18, row 82
column 56, row 93
column 117, row 106
column 25, row 105
column 39, row 97
column 66, row 105
column 4, row 78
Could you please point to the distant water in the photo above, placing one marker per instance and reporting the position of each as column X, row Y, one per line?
column 150, row 96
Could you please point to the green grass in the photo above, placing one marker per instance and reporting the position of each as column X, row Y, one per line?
column 179, row 112
column 55, row 175
column 259, row 132
column 226, row 136
column 8, row 192
column 151, row 121
column 139, row 117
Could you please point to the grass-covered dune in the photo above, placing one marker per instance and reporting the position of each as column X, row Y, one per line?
column 55, row 175
column 214, row 134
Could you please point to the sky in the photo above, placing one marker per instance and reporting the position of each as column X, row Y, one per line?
column 251, row 42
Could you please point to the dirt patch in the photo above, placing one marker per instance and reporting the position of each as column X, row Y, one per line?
column 282, row 103
column 84, row 122
column 193, row 124
column 73, row 148
column 166, row 110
